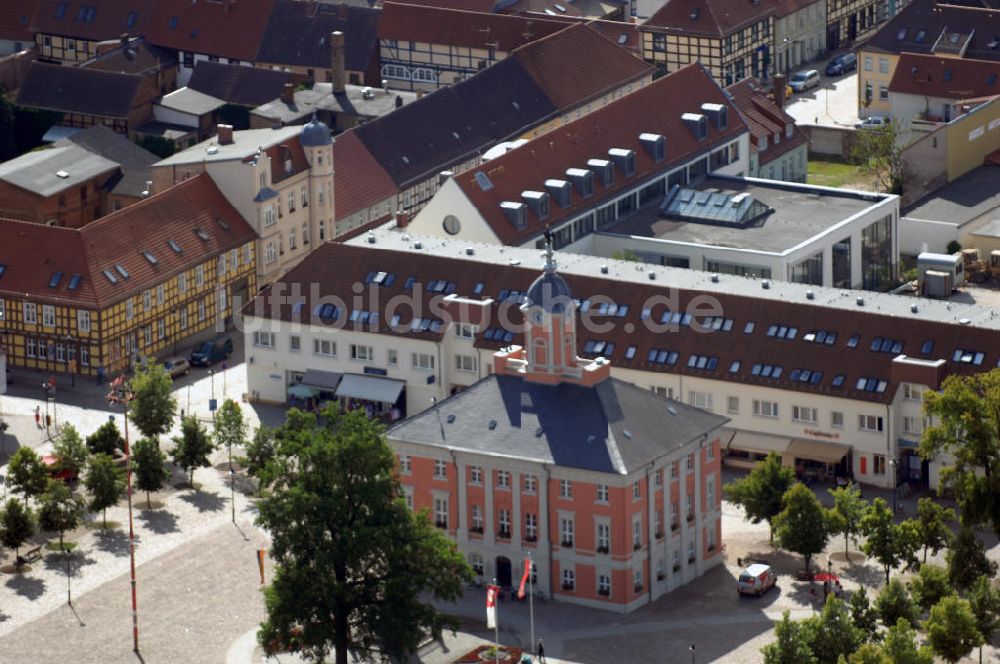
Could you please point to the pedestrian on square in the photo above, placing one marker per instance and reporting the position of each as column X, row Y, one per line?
column 38, row 417
column 541, row 651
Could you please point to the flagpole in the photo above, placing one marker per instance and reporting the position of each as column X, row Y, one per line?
column 531, row 601
column 496, row 629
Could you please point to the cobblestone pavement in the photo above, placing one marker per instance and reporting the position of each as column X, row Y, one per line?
column 833, row 104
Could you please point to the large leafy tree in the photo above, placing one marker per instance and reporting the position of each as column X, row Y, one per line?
column 801, row 526
column 967, row 429
column 760, row 493
column 193, row 448
column 930, row 585
column 951, row 629
column 880, row 153
column 864, row 616
column 26, row 473
column 790, row 646
column 230, row 427
column 894, row 603
column 845, row 515
column 355, row 567
column 932, row 525
column 260, row 452
column 150, row 465
column 900, row 645
column 967, row 560
column 17, row 526
column 153, row 405
column 868, row 653
column 106, row 440
column 60, row 511
column 71, row 450
column 889, row 543
column 105, row 482
column 832, row 634
column 984, row 600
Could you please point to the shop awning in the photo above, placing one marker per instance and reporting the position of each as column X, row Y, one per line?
column 748, row 441
column 370, row 388
column 324, row 381
column 815, row 450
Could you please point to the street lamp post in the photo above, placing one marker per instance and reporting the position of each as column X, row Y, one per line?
column 121, row 393
column 895, row 481
column 691, row 648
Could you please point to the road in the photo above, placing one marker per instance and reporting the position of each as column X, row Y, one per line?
column 833, row 104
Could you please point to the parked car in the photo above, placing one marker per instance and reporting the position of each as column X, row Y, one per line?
column 872, row 122
column 177, row 366
column 211, row 352
column 804, row 80
column 756, row 579
column 842, row 64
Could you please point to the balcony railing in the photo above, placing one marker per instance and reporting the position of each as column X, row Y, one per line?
column 568, row 586
column 441, row 524
column 476, row 529
column 503, row 534
column 567, row 543
column 531, row 538
column 603, row 549
column 604, row 591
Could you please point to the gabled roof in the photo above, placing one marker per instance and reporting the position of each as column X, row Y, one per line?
column 139, row 57
column 48, row 171
column 135, row 162
column 246, row 144
column 442, row 267
column 94, row 20
column 921, row 23
column 298, row 34
column 37, row 252
column 287, row 159
column 949, row 78
column 543, row 7
column 614, row 427
column 764, row 118
column 657, row 108
column 433, row 25
column 226, row 29
column 75, row 90
column 235, row 84
column 714, row 18
column 578, row 64
column 358, row 179
column 16, row 19
column 482, row 6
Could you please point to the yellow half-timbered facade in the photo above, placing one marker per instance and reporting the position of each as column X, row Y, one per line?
column 137, row 283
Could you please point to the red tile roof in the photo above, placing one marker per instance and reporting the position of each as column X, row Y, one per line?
column 656, row 108
column 339, row 268
column 358, row 179
column 626, row 35
column 290, row 150
column 432, row 25
column 37, row 251
column 765, row 119
column 227, row 29
column 950, row 78
column 577, row 64
column 786, row 7
column 107, row 20
column 715, row 18
column 539, row 7
column 482, row 6
column 15, row 20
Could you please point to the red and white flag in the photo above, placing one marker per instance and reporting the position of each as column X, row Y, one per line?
column 491, row 606
column 524, row 577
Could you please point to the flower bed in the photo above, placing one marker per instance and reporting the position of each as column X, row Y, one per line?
column 484, row 654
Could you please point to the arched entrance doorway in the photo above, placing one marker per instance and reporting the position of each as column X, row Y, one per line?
column 503, row 572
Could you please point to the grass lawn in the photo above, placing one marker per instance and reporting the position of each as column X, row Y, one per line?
column 839, row 174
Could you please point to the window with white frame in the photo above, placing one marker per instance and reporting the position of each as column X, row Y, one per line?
column 234, row 259
column 566, row 531
column 405, row 464
column 869, row 423
column 603, row 538
column 220, row 265
column 424, row 75
column 2, row 312
column 603, row 584
column 565, row 489
column 222, row 299
column 441, row 512
column 160, row 294
column 199, row 276
column 568, row 579
column 701, row 400
column 530, row 484
column 674, row 470
column 837, row 419
column 914, row 425
column 711, row 539
column 710, row 451
column 294, row 343
column 637, row 580
column 602, row 493
column 260, row 339
column 504, row 520
column 440, row 470
column 147, row 300
column 733, row 405
column 181, row 283
column 503, row 479
column 161, row 329
column 531, row 527
column 477, row 564
column 913, row 391
column 710, row 491
column 689, row 463
column 361, row 352
column 324, row 347
column 129, row 309
column 465, row 363
column 804, row 414
column 765, row 408
column 201, row 310
column 636, row 490
column 465, row 331
column 477, row 518
column 658, row 478
column 689, row 506
column 270, row 253
column 475, row 475
column 183, row 319
column 691, row 556
column 395, row 71
column 422, row 361
column 637, row 532
column 878, row 464
column 83, row 320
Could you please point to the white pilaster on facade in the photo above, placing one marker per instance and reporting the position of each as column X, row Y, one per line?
column 699, row 522
column 516, row 520
column 463, row 502
column 489, row 529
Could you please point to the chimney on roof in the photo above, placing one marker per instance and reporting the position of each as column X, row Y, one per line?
column 778, row 81
column 337, row 44
column 288, row 93
column 225, row 134
column 402, row 219
column 124, row 39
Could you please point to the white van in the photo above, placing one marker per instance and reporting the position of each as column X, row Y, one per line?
column 804, row 80
column 756, row 579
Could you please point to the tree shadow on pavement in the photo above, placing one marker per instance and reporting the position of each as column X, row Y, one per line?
column 56, row 562
column 27, row 587
column 160, row 522
column 114, row 542
column 204, row 501
column 871, row 576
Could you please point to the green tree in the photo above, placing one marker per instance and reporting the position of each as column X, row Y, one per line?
column 230, row 427
column 801, row 526
column 984, row 600
column 900, row 644
column 951, row 629
column 790, row 645
column 845, row 516
column 864, row 616
column 339, row 517
column 832, row 634
column 71, row 450
column 879, row 152
column 105, row 482
column 967, row 560
column 60, row 511
column 159, row 146
column 26, row 473
column 894, row 603
column 260, row 453
column 106, row 440
column 8, row 142
column 869, row 653
column 151, row 471
column 932, row 525
column 626, row 255
column 153, row 405
column 885, row 541
column 966, row 413
column 193, row 448
column 17, row 526
column 760, row 493
column 930, row 585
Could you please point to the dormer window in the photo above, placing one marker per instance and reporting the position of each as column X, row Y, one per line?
column 582, row 179
column 762, row 143
column 624, row 160
column 538, row 201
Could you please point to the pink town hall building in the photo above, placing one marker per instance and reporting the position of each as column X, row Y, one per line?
column 615, row 490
